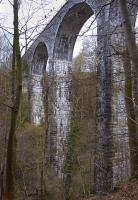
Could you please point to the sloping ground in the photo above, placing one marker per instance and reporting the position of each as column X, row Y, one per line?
column 128, row 192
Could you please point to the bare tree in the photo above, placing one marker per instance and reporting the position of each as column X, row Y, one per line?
column 11, row 150
column 130, row 37
column 133, row 52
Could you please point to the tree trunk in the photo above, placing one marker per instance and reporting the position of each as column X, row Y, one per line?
column 131, row 120
column 130, row 37
column 135, row 92
column 1, row 184
column 11, row 150
column 45, row 84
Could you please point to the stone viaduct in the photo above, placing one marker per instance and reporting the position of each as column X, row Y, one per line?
column 53, row 50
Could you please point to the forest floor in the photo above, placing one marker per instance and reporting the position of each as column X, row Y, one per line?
column 128, row 192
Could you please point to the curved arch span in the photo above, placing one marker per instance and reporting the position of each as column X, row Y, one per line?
column 69, row 30
column 38, row 69
column 40, row 58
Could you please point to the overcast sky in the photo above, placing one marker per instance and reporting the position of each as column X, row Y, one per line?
column 38, row 12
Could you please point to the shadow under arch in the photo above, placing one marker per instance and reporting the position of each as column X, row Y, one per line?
column 38, row 70
column 40, row 58
column 69, row 30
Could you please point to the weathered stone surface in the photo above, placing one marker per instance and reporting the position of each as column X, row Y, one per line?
column 59, row 38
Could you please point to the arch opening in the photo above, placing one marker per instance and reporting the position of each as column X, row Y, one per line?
column 69, row 30
column 40, row 59
column 37, row 73
column 85, row 48
column 65, row 40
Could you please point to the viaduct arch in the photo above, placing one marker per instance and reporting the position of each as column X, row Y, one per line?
column 53, row 49
column 38, row 68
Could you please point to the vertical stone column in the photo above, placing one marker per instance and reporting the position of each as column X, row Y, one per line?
column 104, row 145
column 37, row 106
column 121, row 159
column 121, row 164
column 104, row 138
column 111, row 131
column 37, row 115
column 59, row 112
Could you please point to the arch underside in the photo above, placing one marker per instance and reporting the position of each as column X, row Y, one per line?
column 38, row 69
column 69, row 30
column 40, row 58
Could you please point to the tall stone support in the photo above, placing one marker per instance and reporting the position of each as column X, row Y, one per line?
column 112, row 142
column 121, row 158
column 59, row 113
column 121, row 163
column 103, row 154
column 37, row 108
column 104, row 138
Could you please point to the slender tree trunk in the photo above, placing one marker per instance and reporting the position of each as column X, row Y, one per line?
column 46, row 86
column 130, row 37
column 1, row 184
column 135, row 92
column 130, row 109
column 13, row 74
column 11, row 151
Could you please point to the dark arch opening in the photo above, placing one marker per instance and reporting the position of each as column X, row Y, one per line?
column 38, row 69
column 69, row 30
column 40, row 59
